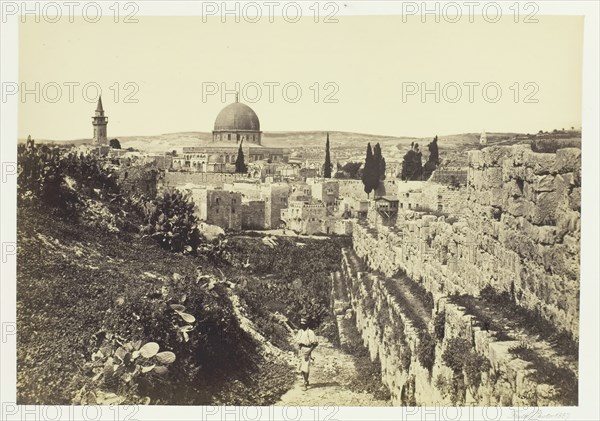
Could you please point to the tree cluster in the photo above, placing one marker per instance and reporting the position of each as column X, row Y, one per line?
column 374, row 168
column 412, row 164
column 350, row 170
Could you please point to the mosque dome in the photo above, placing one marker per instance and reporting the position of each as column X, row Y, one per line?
column 237, row 116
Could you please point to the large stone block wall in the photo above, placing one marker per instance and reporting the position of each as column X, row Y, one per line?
column 393, row 338
column 518, row 231
column 355, row 189
column 253, row 215
column 178, row 179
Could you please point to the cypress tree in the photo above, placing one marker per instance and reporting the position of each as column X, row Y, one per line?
column 368, row 171
column 434, row 154
column 240, row 165
column 327, row 166
column 379, row 164
column 412, row 167
column 434, row 159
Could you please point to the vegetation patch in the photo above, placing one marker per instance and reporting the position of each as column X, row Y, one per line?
column 405, row 357
column 550, row 145
column 452, row 387
column 439, row 326
column 74, row 292
column 467, row 365
column 290, row 278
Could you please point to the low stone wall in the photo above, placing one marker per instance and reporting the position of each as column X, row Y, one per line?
column 392, row 337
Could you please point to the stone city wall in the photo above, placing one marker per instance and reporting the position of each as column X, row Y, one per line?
column 178, row 179
column 518, row 232
column 394, row 337
column 355, row 189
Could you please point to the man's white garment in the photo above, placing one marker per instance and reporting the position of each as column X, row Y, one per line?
column 305, row 337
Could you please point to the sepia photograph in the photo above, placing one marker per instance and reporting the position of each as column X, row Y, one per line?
column 296, row 204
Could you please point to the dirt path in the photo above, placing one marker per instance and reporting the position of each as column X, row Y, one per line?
column 331, row 373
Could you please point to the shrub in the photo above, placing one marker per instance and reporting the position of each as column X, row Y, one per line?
column 41, row 175
column 455, row 354
column 453, row 388
column 465, row 362
column 405, row 357
column 474, row 366
column 170, row 220
column 522, row 351
column 439, row 325
column 122, row 367
column 426, row 350
column 191, row 316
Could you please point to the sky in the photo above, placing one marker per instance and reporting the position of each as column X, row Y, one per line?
column 158, row 75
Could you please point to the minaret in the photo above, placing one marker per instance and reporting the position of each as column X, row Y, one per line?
column 99, row 121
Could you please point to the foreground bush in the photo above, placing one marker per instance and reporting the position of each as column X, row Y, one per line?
column 59, row 179
column 170, row 220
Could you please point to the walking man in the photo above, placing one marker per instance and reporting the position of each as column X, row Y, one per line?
column 307, row 341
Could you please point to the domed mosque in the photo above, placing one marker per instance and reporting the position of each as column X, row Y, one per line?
column 236, row 123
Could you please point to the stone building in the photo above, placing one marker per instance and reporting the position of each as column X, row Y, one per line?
column 253, row 215
column 313, row 217
column 306, row 217
column 327, row 191
column 384, row 210
column 349, row 207
column 300, row 192
column 274, row 196
column 219, row 207
column 275, row 201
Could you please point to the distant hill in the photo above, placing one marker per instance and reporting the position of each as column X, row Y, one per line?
column 346, row 145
